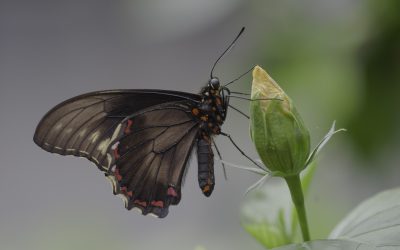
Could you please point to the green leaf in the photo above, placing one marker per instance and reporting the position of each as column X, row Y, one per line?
column 265, row 214
column 328, row 245
column 375, row 221
column 267, row 234
column 268, row 214
column 374, row 224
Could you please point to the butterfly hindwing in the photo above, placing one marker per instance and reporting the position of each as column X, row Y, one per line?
column 85, row 125
column 150, row 155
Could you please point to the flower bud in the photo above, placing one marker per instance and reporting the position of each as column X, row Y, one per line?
column 277, row 130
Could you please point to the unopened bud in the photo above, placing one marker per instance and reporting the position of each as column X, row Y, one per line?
column 277, row 130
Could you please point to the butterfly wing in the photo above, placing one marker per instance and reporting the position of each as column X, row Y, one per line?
column 150, row 154
column 84, row 125
column 142, row 139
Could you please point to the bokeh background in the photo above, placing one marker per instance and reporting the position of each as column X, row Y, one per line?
column 338, row 60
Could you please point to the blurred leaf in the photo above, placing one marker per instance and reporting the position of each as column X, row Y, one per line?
column 375, row 221
column 200, row 248
column 307, row 177
column 373, row 126
column 265, row 214
column 328, row 245
column 268, row 214
column 267, row 234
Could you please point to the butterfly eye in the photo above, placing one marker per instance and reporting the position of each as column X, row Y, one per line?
column 214, row 83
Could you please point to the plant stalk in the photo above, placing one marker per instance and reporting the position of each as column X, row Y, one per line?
column 296, row 192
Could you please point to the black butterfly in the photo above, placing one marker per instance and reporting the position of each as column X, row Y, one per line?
column 141, row 139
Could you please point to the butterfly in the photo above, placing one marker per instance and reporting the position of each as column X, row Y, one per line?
column 141, row 139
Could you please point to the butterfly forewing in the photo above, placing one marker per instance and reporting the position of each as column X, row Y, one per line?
column 84, row 125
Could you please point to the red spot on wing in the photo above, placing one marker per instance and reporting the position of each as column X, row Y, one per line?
column 116, row 153
column 140, row 203
column 172, row 192
column 157, row 203
column 117, row 175
column 128, row 127
column 125, row 191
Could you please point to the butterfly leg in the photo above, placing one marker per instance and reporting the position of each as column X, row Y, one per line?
column 240, row 150
column 205, row 158
column 220, row 158
column 239, row 111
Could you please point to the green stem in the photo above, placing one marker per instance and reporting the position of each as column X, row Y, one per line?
column 296, row 192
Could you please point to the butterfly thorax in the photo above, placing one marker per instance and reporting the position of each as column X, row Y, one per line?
column 211, row 111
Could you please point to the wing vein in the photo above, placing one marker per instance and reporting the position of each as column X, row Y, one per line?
column 156, row 179
column 132, row 176
column 95, row 127
column 66, row 125
column 69, row 112
column 143, row 177
column 136, row 146
column 158, row 126
column 79, row 128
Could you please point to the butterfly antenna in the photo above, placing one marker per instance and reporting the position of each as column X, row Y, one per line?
column 227, row 49
column 245, row 73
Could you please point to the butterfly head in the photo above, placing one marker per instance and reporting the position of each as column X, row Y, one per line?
column 214, row 84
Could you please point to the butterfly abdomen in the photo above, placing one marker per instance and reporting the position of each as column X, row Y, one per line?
column 205, row 159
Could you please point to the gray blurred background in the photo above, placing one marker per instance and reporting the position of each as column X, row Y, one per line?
column 338, row 60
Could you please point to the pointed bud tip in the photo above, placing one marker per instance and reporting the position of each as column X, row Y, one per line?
column 264, row 85
column 259, row 73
